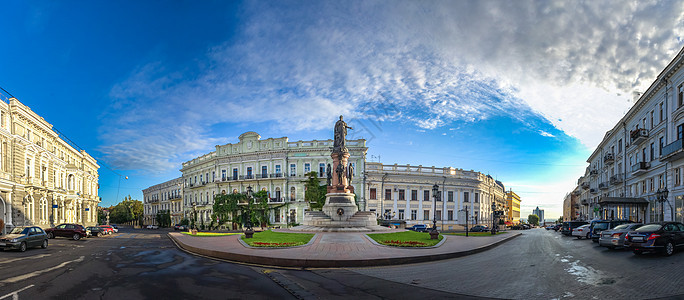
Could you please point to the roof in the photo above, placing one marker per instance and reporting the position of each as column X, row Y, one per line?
column 622, row 200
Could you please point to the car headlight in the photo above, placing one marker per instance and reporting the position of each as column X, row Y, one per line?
column 13, row 240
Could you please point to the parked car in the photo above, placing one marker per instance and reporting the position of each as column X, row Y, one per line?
column 557, row 226
column 73, row 231
column 580, row 232
column 570, row 225
column 656, row 237
column 96, row 231
column 613, row 238
column 180, row 227
column 596, row 226
column 116, row 227
column 526, row 226
column 108, row 228
column 152, row 227
column 479, row 228
column 548, row 227
column 22, row 238
column 418, row 228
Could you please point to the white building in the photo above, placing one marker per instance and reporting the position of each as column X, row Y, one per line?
column 404, row 192
column 641, row 156
column 275, row 165
column 167, row 196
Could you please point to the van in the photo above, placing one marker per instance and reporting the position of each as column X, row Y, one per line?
column 570, row 225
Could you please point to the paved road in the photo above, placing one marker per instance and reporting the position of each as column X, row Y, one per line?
column 543, row 264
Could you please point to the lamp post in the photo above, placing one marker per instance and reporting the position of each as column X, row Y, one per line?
column 434, row 234
column 466, row 217
column 249, row 232
column 493, row 218
column 662, row 197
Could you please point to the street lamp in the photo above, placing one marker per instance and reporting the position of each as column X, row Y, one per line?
column 249, row 232
column 466, row 217
column 662, row 197
column 434, row 234
column 493, row 218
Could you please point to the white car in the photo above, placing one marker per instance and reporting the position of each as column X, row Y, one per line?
column 152, row 227
column 581, row 232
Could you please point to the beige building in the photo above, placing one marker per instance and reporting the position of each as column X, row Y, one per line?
column 43, row 179
column 513, row 207
column 404, row 193
column 275, row 165
column 167, row 196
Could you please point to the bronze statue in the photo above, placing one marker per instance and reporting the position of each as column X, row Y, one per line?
column 340, row 173
column 329, row 174
column 350, row 173
column 339, row 145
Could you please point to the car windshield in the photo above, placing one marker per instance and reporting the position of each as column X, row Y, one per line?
column 601, row 225
column 623, row 226
column 649, row 227
column 20, row 230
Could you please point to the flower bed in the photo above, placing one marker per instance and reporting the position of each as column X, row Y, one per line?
column 405, row 239
column 270, row 239
column 210, row 233
column 404, row 243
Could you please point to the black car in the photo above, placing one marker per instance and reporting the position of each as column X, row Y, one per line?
column 601, row 225
column 96, row 231
column 557, row 226
column 662, row 237
column 479, row 228
column 570, row 225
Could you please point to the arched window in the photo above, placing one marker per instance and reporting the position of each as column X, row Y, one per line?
column 43, row 211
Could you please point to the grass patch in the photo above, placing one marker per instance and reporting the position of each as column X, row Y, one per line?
column 488, row 233
column 405, row 239
column 270, row 239
column 210, row 233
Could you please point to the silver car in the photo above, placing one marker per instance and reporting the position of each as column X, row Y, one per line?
column 615, row 237
column 580, row 232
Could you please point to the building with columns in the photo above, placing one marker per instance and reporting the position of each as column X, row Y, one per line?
column 44, row 179
column 275, row 165
column 167, row 196
column 404, row 192
column 635, row 173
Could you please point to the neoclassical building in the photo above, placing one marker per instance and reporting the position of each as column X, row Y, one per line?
column 275, row 165
column 44, row 180
column 404, row 192
column 167, row 196
column 640, row 158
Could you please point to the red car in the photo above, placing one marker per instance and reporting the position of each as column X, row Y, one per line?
column 73, row 231
column 109, row 229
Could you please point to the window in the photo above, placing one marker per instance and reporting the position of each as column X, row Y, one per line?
column 293, row 170
column 213, row 175
column 28, row 168
column 680, row 95
column 680, row 131
column 677, row 177
column 643, row 155
column 401, row 214
column 661, row 145
column 201, row 180
column 414, row 214
column 402, row 196
column 662, row 114
column 450, row 196
column 652, row 120
column 388, row 194
column 438, row 215
column 652, row 186
column 652, row 152
column 426, row 195
column 660, row 181
column 277, row 169
column 321, row 170
column 264, row 171
column 223, row 175
column 620, row 146
column 414, row 195
column 292, row 193
column 477, row 197
column 450, row 215
column 307, row 168
column 235, row 174
column 249, row 172
column 373, row 194
column 465, row 197
column 426, row 215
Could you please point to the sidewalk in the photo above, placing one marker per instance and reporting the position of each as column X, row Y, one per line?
column 332, row 249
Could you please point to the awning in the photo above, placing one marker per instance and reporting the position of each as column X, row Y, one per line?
column 622, row 200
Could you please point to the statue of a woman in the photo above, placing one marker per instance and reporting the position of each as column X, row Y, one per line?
column 340, row 173
column 339, row 145
column 350, row 173
column 329, row 174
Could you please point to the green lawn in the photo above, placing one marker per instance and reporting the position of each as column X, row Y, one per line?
column 405, row 239
column 476, row 233
column 277, row 239
column 210, row 233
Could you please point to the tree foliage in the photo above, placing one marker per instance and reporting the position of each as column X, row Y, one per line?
column 314, row 193
column 126, row 211
column 533, row 219
column 236, row 209
column 164, row 218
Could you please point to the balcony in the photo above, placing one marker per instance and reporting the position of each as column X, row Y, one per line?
column 640, row 168
column 673, row 151
column 277, row 175
column 609, row 158
column 593, row 172
column 276, row 200
column 603, row 185
column 576, row 193
column 579, row 181
column 617, row 178
column 585, row 185
column 593, row 190
column 638, row 136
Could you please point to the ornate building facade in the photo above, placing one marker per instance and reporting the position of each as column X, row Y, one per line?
column 404, row 193
column 275, row 165
column 635, row 172
column 167, row 196
column 44, row 180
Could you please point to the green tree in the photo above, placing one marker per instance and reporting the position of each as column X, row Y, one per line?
column 226, row 207
column 533, row 219
column 126, row 211
column 164, row 218
column 314, row 192
column 260, row 210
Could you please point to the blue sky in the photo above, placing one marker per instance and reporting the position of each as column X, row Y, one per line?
column 521, row 90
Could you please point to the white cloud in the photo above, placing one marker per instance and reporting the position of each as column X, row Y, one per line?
column 546, row 134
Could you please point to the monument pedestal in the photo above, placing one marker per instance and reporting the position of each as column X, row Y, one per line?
column 340, row 206
column 340, row 214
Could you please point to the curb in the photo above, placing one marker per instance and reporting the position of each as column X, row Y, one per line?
column 330, row 263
